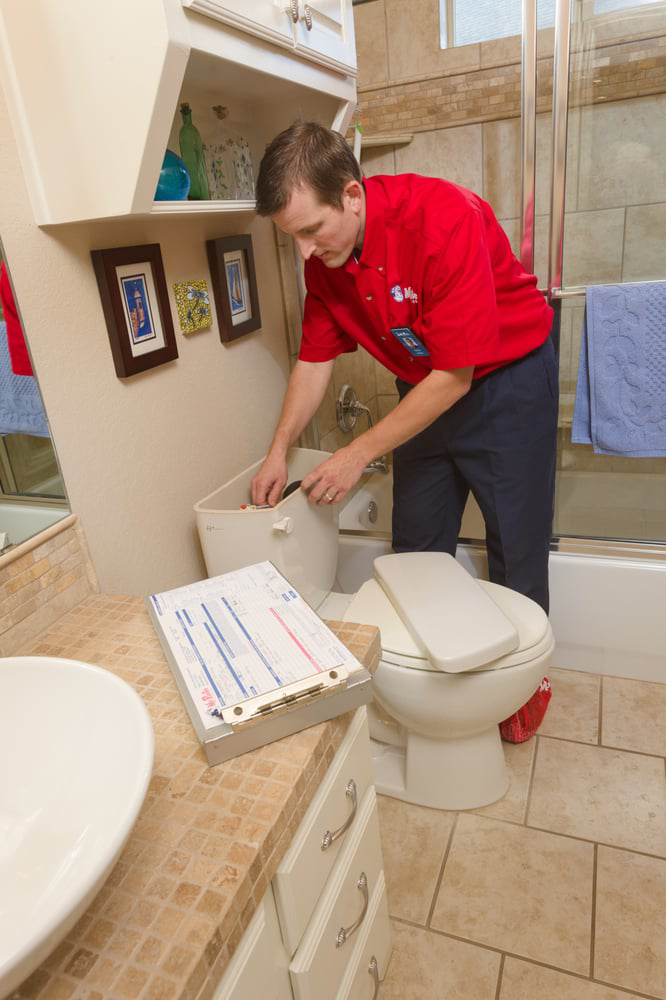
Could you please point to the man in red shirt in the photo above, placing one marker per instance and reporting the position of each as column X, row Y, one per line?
column 419, row 273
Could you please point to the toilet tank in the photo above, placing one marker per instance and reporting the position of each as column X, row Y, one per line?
column 298, row 537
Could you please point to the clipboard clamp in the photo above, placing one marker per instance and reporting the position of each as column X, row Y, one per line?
column 252, row 710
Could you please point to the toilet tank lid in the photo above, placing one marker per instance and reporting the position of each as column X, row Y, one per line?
column 449, row 615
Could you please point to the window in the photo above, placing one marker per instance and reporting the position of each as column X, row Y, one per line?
column 468, row 23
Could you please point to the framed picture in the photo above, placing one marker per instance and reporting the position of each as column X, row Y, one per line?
column 234, row 284
column 134, row 297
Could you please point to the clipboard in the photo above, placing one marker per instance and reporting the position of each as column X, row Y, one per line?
column 252, row 661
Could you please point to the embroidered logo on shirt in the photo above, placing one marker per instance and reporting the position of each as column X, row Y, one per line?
column 396, row 292
column 411, row 294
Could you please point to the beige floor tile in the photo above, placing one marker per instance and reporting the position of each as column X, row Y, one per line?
column 414, row 841
column 519, row 890
column 610, row 796
column 427, row 966
column 512, row 806
column 630, row 932
column 573, row 712
column 523, row 981
column 633, row 715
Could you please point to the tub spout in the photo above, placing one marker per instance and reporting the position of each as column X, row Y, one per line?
column 347, row 408
column 378, row 465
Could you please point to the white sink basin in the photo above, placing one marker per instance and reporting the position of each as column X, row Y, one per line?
column 76, row 753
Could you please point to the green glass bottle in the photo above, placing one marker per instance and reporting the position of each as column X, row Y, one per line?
column 192, row 152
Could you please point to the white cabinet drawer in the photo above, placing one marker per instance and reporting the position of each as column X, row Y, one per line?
column 259, row 964
column 305, row 867
column 372, row 951
column 341, row 914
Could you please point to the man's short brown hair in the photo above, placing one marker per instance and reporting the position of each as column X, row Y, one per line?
column 309, row 154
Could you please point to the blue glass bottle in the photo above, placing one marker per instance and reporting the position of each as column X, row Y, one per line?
column 192, row 152
column 174, row 181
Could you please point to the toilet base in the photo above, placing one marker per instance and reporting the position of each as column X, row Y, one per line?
column 464, row 773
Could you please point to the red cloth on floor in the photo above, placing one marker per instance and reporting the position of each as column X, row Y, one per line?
column 18, row 352
column 523, row 724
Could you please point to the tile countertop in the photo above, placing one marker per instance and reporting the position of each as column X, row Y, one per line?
column 207, row 841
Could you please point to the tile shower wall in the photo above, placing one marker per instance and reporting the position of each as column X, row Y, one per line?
column 41, row 580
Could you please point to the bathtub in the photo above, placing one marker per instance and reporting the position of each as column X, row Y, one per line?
column 607, row 599
column 20, row 521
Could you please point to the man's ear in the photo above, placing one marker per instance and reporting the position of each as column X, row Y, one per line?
column 353, row 193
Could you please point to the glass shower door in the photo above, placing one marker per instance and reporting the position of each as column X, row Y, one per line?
column 613, row 208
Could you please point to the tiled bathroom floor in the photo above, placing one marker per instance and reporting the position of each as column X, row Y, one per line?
column 558, row 891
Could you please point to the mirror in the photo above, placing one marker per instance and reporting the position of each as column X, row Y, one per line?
column 32, row 491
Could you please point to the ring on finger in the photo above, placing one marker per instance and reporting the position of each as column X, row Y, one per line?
column 328, row 497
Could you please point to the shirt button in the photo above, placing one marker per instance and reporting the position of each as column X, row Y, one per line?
column 380, row 268
column 369, row 298
column 383, row 338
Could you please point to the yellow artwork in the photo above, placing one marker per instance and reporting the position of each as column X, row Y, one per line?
column 193, row 305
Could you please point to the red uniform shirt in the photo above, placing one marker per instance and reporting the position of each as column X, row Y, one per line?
column 436, row 265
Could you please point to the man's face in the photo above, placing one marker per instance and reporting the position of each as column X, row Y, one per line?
column 329, row 233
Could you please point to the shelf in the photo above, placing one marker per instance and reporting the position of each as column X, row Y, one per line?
column 386, row 140
column 189, row 208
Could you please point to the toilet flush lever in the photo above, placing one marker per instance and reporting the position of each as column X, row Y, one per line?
column 285, row 524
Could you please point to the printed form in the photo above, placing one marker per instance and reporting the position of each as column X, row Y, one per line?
column 247, row 640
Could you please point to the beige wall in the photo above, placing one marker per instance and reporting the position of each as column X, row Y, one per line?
column 137, row 454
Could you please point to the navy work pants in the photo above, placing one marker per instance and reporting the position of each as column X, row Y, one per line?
column 498, row 441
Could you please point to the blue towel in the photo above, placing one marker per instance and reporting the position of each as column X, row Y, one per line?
column 21, row 410
column 620, row 405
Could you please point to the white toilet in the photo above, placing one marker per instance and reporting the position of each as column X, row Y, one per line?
column 459, row 655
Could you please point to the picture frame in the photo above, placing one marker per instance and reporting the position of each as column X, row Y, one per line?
column 133, row 290
column 234, row 284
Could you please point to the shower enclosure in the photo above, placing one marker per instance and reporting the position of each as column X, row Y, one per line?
column 605, row 184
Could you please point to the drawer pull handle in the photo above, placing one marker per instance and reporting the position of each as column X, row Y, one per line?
column 328, row 838
column 374, row 972
column 346, row 932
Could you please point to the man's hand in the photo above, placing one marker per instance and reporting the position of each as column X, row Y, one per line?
column 269, row 482
column 331, row 481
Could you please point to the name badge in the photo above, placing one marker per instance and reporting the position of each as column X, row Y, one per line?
column 409, row 340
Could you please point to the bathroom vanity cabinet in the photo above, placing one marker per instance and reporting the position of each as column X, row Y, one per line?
column 223, row 889
column 94, row 89
column 322, row 930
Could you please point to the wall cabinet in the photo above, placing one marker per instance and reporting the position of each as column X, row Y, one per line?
column 321, row 30
column 93, row 90
column 328, row 896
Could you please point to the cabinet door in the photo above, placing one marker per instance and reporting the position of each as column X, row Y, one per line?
column 271, row 19
column 258, row 968
column 325, row 32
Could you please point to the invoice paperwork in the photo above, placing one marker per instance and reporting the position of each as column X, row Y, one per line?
column 245, row 646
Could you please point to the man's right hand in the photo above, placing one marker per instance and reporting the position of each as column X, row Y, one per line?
column 269, row 482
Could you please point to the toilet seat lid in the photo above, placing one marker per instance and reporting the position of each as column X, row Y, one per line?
column 434, row 614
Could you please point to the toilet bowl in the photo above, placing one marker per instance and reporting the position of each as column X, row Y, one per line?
column 459, row 655
column 479, row 653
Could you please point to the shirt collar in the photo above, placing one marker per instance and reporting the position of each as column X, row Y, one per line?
column 374, row 236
